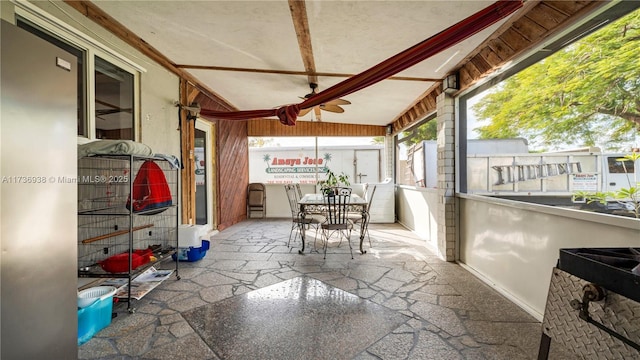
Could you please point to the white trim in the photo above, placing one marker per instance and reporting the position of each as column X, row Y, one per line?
column 42, row 18
column 137, row 103
column 90, row 73
column 206, row 127
column 607, row 219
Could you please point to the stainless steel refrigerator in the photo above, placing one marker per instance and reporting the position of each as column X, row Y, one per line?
column 38, row 127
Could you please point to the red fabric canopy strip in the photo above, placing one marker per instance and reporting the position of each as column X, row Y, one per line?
column 407, row 58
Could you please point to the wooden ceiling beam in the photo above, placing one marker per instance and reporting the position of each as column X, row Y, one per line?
column 490, row 56
column 293, row 72
column 529, row 28
column 479, row 63
column 546, row 16
column 298, row 11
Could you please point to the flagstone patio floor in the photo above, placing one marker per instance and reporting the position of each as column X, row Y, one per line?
column 253, row 297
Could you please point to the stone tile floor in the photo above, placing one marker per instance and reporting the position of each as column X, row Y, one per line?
column 445, row 312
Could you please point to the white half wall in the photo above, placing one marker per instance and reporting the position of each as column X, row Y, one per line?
column 277, row 201
column 514, row 246
column 416, row 210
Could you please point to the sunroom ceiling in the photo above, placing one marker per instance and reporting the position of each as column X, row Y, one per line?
column 248, row 51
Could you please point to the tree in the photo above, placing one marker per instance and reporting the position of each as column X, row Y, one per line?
column 426, row 131
column 267, row 158
column 586, row 94
column 327, row 158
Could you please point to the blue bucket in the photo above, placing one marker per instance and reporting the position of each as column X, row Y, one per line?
column 97, row 315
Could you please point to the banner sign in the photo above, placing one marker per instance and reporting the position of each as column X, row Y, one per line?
column 584, row 182
column 287, row 166
column 305, row 164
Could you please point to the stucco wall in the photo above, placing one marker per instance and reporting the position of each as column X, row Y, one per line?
column 159, row 121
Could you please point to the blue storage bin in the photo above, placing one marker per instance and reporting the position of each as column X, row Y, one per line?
column 192, row 253
column 96, row 316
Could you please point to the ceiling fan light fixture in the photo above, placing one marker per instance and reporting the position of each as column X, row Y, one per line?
column 330, row 106
column 313, row 87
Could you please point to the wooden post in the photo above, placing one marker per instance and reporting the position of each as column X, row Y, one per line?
column 187, row 131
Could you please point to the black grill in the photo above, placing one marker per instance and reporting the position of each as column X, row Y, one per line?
column 593, row 304
column 615, row 269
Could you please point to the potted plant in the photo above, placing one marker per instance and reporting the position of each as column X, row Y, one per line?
column 334, row 180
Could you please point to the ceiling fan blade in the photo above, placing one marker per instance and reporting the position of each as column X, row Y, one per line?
column 316, row 110
column 332, row 105
column 332, row 108
column 304, row 112
column 338, row 102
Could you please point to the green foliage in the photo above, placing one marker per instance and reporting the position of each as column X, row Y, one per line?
column 586, row 94
column 334, row 180
column 632, row 193
column 426, row 131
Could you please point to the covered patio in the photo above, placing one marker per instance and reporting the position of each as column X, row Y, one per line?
column 401, row 299
column 457, row 276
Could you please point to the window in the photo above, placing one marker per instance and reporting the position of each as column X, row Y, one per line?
column 620, row 167
column 416, row 150
column 529, row 129
column 107, row 82
column 113, row 101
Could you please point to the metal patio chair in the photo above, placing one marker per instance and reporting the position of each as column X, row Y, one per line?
column 297, row 220
column 337, row 221
column 363, row 217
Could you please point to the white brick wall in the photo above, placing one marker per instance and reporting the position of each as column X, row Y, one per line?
column 388, row 157
column 447, row 205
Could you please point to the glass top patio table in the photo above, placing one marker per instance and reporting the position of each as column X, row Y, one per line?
column 318, row 199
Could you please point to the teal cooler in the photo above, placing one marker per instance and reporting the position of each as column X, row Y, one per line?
column 95, row 306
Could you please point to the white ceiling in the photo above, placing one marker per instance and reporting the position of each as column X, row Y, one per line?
column 347, row 37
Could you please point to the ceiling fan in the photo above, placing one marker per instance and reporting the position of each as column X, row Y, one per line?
column 331, row 106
